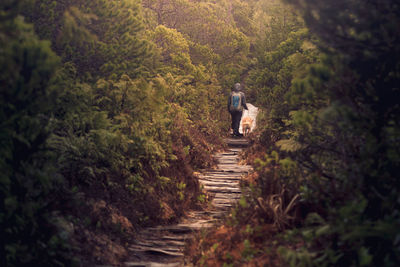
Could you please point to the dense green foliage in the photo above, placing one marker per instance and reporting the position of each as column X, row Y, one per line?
column 29, row 179
column 109, row 108
column 352, row 139
column 332, row 128
column 118, row 101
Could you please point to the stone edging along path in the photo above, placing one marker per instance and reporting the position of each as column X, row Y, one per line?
column 164, row 245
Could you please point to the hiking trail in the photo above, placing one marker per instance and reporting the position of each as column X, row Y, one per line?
column 164, row 245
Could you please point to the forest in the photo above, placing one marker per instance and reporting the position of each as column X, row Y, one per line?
column 108, row 108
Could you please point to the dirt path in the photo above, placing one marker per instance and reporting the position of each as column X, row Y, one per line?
column 163, row 245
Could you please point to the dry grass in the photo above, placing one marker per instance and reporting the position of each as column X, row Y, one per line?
column 274, row 209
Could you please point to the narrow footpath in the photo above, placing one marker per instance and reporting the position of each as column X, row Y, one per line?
column 164, row 245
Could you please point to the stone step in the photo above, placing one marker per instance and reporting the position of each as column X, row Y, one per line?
column 220, row 180
column 209, row 213
column 234, row 196
column 236, row 151
column 159, row 243
column 152, row 264
column 222, row 189
column 170, row 252
column 237, row 142
column 180, row 237
column 223, row 175
column 218, row 183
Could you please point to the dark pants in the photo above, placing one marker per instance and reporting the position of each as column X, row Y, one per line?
column 236, row 117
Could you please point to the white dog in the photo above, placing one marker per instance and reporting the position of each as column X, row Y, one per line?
column 247, row 122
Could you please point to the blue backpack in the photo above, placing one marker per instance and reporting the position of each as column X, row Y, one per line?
column 236, row 102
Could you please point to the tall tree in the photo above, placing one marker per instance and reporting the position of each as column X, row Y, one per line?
column 350, row 142
column 29, row 180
